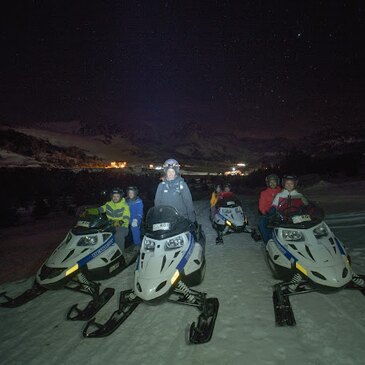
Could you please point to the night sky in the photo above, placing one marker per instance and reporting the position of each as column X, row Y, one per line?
column 267, row 67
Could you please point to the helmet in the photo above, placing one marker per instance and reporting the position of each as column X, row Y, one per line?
column 216, row 186
column 272, row 177
column 171, row 164
column 117, row 191
column 289, row 177
column 132, row 188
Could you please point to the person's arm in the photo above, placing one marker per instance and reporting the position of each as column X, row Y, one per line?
column 102, row 209
column 188, row 201
column 158, row 195
column 126, row 215
column 140, row 211
column 262, row 203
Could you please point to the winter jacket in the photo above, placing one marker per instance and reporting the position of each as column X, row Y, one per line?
column 213, row 199
column 284, row 195
column 116, row 211
column 136, row 209
column 266, row 198
column 176, row 193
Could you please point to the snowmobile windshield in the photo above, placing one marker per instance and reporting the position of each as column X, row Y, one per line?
column 165, row 221
column 228, row 200
column 91, row 223
column 297, row 213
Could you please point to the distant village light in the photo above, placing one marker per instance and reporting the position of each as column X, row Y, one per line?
column 116, row 165
column 241, row 164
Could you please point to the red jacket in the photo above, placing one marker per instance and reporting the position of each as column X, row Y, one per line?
column 266, row 198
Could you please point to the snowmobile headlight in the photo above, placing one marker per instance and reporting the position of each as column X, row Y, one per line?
column 292, row 235
column 320, row 231
column 88, row 241
column 175, row 242
column 149, row 245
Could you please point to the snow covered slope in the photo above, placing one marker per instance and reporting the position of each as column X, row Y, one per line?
column 330, row 328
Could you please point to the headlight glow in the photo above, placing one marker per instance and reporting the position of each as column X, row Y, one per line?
column 292, row 235
column 320, row 231
column 88, row 241
column 149, row 245
column 175, row 242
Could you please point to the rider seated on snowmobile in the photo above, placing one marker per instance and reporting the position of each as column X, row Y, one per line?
column 173, row 191
column 214, row 199
column 266, row 199
column 289, row 193
column 117, row 211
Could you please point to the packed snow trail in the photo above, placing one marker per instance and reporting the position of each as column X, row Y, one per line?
column 330, row 328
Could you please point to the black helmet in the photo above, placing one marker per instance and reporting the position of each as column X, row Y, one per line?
column 117, row 191
column 216, row 186
column 272, row 177
column 132, row 188
column 171, row 164
column 289, row 177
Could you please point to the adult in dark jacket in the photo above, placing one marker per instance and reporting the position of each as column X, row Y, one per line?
column 173, row 191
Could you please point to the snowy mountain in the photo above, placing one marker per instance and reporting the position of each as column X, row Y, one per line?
column 191, row 142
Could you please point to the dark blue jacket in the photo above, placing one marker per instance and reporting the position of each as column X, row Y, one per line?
column 176, row 193
column 136, row 209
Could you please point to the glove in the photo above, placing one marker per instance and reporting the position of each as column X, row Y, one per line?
column 117, row 223
column 134, row 222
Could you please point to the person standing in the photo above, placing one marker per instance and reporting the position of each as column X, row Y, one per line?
column 136, row 213
column 173, row 191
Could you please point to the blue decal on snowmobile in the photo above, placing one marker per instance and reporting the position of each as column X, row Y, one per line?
column 97, row 252
column 286, row 253
column 340, row 248
column 188, row 253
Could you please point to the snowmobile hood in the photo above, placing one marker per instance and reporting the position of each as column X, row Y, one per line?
column 317, row 253
column 160, row 264
column 74, row 252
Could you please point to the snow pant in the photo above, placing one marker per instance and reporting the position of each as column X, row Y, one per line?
column 119, row 237
column 266, row 233
column 136, row 234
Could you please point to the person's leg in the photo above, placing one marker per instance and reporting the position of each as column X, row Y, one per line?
column 136, row 234
column 120, row 234
column 265, row 232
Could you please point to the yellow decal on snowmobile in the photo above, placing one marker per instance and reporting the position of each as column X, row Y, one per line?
column 174, row 277
column 73, row 269
column 301, row 268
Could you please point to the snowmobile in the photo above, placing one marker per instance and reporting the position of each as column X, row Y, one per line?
column 229, row 217
column 171, row 261
column 87, row 253
column 306, row 255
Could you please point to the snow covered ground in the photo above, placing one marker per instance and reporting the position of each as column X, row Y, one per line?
column 330, row 328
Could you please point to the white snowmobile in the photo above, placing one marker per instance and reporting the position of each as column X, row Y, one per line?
column 88, row 253
column 229, row 217
column 306, row 254
column 172, row 259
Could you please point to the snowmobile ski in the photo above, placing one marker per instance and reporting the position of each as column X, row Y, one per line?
column 202, row 331
column 76, row 314
column 23, row 298
column 127, row 305
column 353, row 285
column 284, row 315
